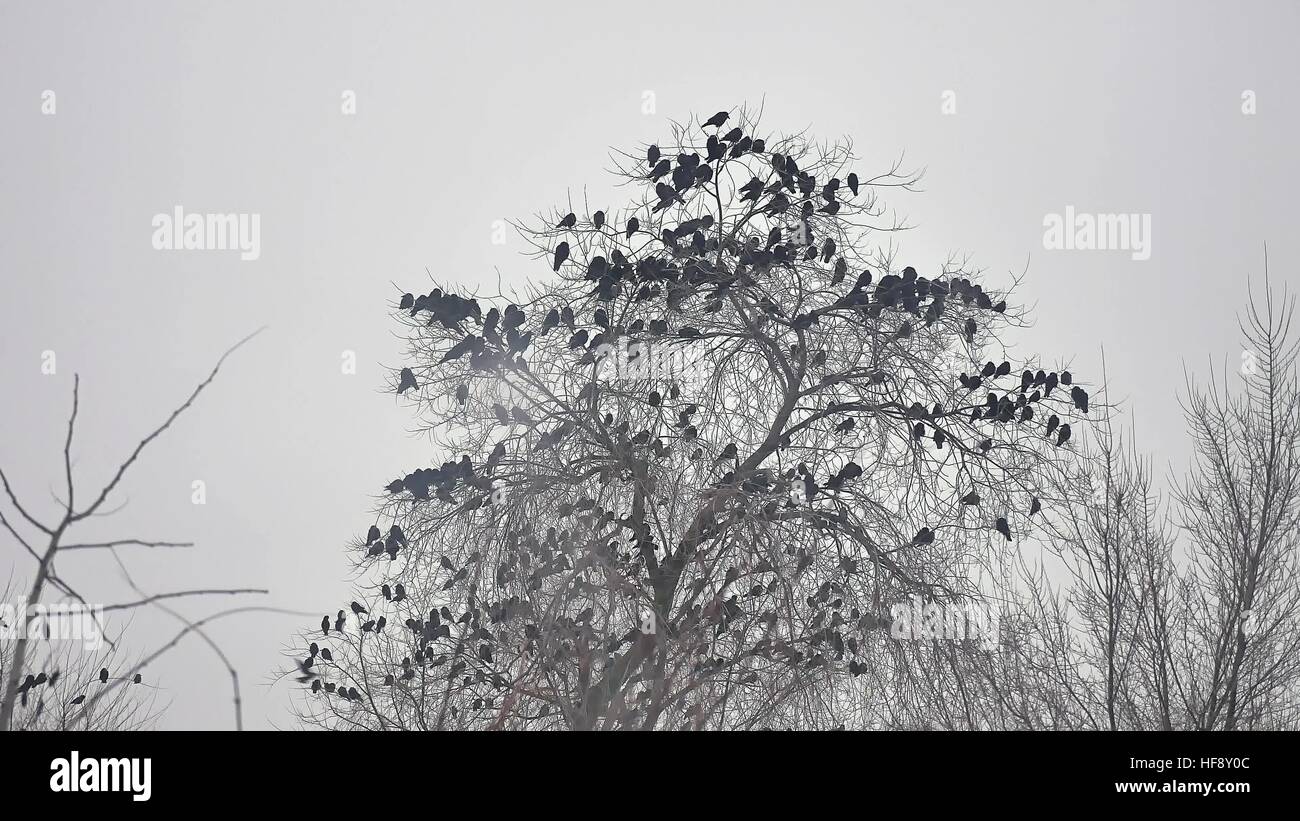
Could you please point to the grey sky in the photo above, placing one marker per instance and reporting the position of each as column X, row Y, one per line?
column 470, row 113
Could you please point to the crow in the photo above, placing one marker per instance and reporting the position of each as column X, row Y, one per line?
column 717, row 119
column 972, row 498
column 407, row 381
column 561, row 254
column 358, row 609
column 1002, row 528
column 923, row 536
column 325, row 625
column 1080, row 397
column 1063, row 435
column 372, row 535
column 569, row 221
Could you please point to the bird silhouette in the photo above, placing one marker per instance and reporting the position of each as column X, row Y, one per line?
column 103, row 675
column 325, row 625
column 407, row 381
column 1080, row 397
column 717, row 119
column 923, row 536
column 358, row 609
column 1003, row 528
column 971, row 498
column 1063, row 435
column 569, row 221
column 561, row 254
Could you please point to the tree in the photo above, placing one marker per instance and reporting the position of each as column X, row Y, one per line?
column 1239, row 646
column 27, row 673
column 1174, row 614
column 686, row 477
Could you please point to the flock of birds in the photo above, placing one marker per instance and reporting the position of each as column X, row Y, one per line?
column 32, row 682
column 693, row 271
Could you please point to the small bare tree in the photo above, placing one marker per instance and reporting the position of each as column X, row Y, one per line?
column 1239, row 646
column 50, row 544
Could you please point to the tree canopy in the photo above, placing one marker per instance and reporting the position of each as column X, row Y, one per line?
column 681, row 482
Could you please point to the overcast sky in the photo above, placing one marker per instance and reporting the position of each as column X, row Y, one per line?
column 473, row 112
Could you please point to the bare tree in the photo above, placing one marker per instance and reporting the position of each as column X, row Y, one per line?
column 1167, row 614
column 1239, row 646
column 697, row 466
column 51, row 544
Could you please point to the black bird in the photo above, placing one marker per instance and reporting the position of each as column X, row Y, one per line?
column 729, row 452
column 1002, row 528
column 358, row 609
column 632, row 225
column 387, row 594
column 809, row 487
column 971, row 498
column 569, row 221
column 853, row 183
column 325, row 654
column 136, row 679
column 1080, row 397
column 923, row 536
column 578, row 340
column 372, row 535
column 314, row 649
column 1052, row 422
column 462, row 394
column 339, row 623
column 1063, row 435
column 407, row 381
column 561, row 254
column 598, row 219
column 325, row 625
column 652, row 155
column 717, row 119
column 103, row 675
column 970, row 330
column 1035, row 506
column 407, row 301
